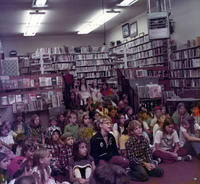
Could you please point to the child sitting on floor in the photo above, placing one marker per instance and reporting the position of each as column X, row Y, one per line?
column 4, row 162
column 6, row 139
column 140, row 155
column 66, row 152
column 72, row 126
column 187, row 136
column 167, row 144
column 82, row 165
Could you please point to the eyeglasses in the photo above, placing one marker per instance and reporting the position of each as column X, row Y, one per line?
column 108, row 123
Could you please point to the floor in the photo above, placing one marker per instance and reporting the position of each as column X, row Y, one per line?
column 178, row 173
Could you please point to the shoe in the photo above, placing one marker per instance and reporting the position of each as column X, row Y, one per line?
column 187, row 158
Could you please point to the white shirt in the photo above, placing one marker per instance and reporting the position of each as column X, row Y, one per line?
column 155, row 129
column 181, row 136
column 166, row 141
column 12, row 181
column 145, row 125
column 8, row 140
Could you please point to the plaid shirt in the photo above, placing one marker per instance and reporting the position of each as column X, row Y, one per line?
column 65, row 155
column 138, row 151
column 54, row 149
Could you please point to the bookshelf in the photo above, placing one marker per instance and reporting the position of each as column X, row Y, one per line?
column 145, row 63
column 48, row 60
column 185, row 68
column 94, row 63
column 31, row 93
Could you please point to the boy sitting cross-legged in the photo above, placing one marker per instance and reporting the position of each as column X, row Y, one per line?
column 140, row 155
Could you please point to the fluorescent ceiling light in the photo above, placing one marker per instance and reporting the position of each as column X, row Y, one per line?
column 39, row 3
column 127, row 2
column 97, row 20
column 33, row 22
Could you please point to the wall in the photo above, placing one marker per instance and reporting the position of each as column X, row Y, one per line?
column 116, row 33
column 24, row 45
column 185, row 13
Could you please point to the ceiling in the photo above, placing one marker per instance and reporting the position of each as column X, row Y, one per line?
column 62, row 16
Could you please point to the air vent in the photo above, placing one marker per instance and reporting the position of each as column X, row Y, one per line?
column 158, row 25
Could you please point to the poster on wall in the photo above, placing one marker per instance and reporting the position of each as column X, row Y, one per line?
column 125, row 30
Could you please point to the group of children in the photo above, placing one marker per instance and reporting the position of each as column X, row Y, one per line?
column 102, row 134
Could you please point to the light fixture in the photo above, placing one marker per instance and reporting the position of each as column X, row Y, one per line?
column 39, row 3
column 127, row 2
column 33, row 22
column 97, row 20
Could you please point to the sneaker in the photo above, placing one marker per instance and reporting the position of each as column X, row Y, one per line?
column 187, row 158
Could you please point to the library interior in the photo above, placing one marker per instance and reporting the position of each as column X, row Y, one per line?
column 107, row 95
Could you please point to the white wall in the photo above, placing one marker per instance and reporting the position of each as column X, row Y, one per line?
column 186, row 14
column 116, row 33
column 23, row 45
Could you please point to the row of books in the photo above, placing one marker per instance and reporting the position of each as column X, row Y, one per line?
column 28, row 82
column 59, row 66
column 146, row 54
column 95, row 74
column 64, row 58
column 54, row 50
column 94, row 68
column 31, row 106
column 169, row 94
column 185, row 73
column 148, row 61
column 138, row 41
column 189, row 44
column 185, row 64
column 152, row 73
column 130, row 73
column 93, row 62
column 117, row 50
column 149, row 45
column 186, row 54
column 93, row 49
column 92, row 56
column 140, row 48
column 34, row 100
column 186, row 83
column 150, row 91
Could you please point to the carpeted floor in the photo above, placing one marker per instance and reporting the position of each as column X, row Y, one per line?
column 178, row 173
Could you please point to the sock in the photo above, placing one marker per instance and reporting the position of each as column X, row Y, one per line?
column 179, row 158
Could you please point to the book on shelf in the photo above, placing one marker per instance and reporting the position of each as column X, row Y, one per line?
column 59, row 81
column 11, row 99
column 53, row 81
column 32, row 97
column 18, row 98
column 4, row 100
column 42, row 81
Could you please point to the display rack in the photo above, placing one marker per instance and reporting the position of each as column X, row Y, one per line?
column 31, row 93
